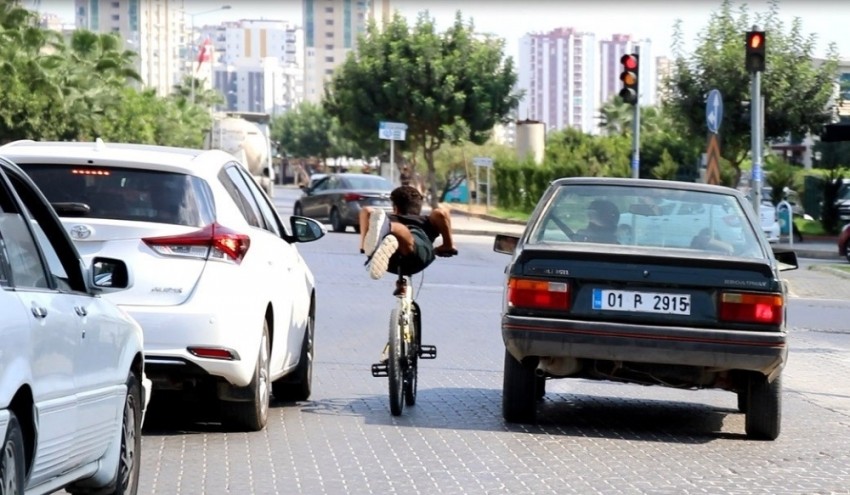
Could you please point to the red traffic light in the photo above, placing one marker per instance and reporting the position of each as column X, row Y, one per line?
column 755, row 51
column 629, row 77
column 630, row 62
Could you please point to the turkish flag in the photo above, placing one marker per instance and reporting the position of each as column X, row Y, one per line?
column 205, row 53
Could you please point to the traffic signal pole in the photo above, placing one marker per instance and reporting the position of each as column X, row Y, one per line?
column 636, row 143
column 755, row 62
column 630, row 94
column 756, row 125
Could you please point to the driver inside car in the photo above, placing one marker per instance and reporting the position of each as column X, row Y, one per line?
column 603, row 216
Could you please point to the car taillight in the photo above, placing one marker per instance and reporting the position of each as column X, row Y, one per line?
column 747, row 307
column 211, row 242
column 353, row 197
column 538, row 294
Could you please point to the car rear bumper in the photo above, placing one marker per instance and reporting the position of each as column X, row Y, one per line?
column 718, row 349
column 170, row 331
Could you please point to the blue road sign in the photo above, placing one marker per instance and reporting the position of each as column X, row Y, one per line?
column 713, row 111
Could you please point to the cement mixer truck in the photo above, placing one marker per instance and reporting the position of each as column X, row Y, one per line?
column 245, row 135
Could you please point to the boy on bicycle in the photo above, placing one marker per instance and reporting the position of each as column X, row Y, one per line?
column 404, row 239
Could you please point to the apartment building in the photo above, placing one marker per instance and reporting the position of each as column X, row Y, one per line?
column 152, row 28
column 610, row 68
column 331, row 28
column 558, row 73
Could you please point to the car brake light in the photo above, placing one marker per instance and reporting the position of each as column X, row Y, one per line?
column 353, row 197
column 538, row 294
column 211, row 242
column 747, row 307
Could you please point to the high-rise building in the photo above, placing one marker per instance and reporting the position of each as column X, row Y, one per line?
column 331, row 28
column 261, row 64
column 558, row 73
column 663, row 71
column 610, row 52
column 152, row 28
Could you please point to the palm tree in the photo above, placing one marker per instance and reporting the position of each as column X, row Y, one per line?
column 615, row 117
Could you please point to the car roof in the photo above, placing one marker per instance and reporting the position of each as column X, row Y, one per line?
column 145, row 156
column 653, row 183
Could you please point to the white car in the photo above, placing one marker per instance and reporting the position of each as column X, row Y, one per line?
column 226, row 301
column 769, row 221
column 73, row 390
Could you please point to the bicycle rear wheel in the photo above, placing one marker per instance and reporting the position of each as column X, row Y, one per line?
column 395, row 365
column 412, row 372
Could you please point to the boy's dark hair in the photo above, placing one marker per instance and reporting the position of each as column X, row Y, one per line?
column 407, row 200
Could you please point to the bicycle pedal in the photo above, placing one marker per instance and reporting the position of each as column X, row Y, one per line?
column 427, row 352
column 380, row 370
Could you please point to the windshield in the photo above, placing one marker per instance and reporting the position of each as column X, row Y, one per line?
column 117, row 193
column 647, row 218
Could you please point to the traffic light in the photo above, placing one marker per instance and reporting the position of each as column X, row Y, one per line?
column 629, row 76
column 755, row 51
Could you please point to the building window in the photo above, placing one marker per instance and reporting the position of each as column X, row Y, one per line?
column 329, row 72
column 116, row 17
column 329, row 60
column 116, row 5
column 329, row 47
column 329, row 22
column 329, row 34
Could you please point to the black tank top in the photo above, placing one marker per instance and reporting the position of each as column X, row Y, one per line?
column 419, row 221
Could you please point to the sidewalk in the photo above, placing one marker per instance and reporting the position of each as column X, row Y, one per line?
column 469, row 223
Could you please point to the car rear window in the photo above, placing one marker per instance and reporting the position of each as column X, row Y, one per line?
column 119, row 193
column 375, row 182
column 648, row 217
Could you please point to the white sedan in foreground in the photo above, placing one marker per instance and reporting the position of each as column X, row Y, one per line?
column 73, row 390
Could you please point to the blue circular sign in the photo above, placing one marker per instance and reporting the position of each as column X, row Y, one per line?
column 713, row 111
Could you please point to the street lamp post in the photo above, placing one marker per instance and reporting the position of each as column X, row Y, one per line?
column 192, row 41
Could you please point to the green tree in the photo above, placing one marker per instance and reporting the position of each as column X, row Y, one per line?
column 797, row 91
column 446, row 87
column 304, row 131
column 667, row 168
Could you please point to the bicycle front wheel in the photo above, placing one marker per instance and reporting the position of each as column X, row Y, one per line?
column 395, row 365
column 412, row 372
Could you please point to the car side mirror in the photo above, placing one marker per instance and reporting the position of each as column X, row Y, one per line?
column 787, row 258
column 306, row 229
column 110, row 275
column 505, row 243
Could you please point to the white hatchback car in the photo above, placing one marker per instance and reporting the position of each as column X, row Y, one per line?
column 226, row 301
column 73, row 391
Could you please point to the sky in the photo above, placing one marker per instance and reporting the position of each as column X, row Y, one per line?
column 652, row 19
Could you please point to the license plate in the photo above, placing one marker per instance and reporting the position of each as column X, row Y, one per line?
column 644, row 302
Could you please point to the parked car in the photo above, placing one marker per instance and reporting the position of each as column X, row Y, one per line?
column 73, row 390
column 226, row 301
column 338, row 198
column 701, row 310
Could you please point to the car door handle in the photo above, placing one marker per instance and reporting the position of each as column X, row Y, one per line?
column 81, row 311
column 39, row 311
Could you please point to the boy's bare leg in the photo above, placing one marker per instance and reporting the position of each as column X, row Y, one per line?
column 364, row 223
column 405, row 238
column 441, row 220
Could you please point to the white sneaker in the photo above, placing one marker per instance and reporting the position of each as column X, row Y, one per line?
column 378, row 229
column 381, row 258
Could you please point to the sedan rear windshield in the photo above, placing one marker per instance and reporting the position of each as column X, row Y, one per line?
column 118, row 193
column 644, row 217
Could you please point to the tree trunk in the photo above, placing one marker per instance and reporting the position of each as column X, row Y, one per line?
column 428, row 153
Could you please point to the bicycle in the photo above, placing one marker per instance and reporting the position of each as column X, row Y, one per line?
column 405, row 348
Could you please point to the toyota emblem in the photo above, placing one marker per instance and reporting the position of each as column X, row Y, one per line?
column 80, row 232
